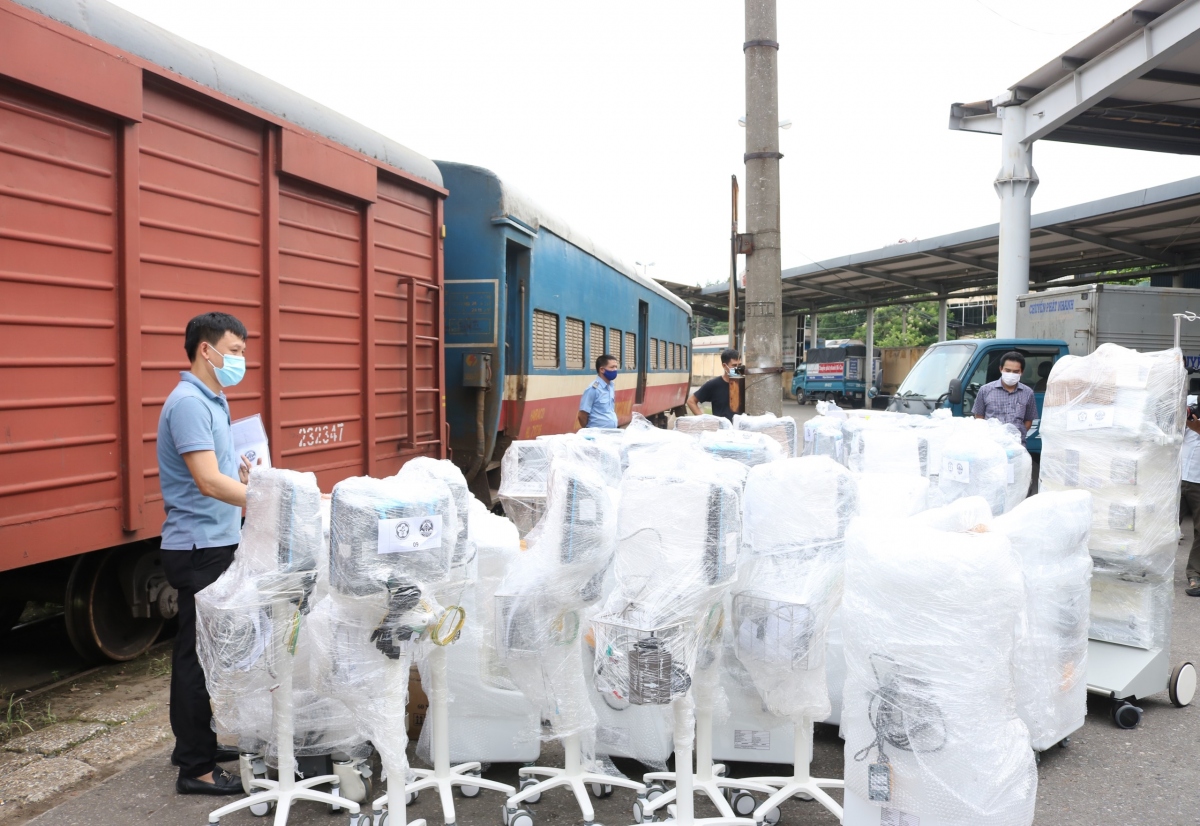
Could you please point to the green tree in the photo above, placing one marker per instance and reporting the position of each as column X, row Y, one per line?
column 907, row 325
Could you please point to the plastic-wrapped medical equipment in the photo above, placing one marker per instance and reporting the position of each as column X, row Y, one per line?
column 891, row 495
column 679, row 532
column 884, row 448
column 449, row 474
column 492, row 720
column 701, row 424
column 257, row 612
column 1112, row 424
column 967, row 514
column 746, row 446
column 641, row 440
column 781, row 429
column 974, row 464
column 790, row 579
column 823, row 437
column 929, row 716
column 541, row 605
column 524, row 471
column 392, row 541
column 1050, row 533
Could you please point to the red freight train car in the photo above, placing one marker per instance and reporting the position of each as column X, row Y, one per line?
column 144, row 180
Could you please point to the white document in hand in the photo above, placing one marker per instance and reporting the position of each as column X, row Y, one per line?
column 250, row 439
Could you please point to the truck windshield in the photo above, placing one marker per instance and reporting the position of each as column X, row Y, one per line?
column 931, row 376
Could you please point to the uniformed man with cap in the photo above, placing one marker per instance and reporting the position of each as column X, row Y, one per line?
column 598, row 407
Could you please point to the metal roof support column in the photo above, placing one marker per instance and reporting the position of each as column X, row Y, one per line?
column 812, row 328
column 943, row 332
column 870, row 346
column 1015, row 184
column 764, row 301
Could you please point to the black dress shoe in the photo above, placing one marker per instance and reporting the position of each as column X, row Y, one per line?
column 222, row 783
column 225, row 754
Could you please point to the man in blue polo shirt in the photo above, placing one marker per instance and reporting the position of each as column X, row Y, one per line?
column 598, row 407
column 204, row 491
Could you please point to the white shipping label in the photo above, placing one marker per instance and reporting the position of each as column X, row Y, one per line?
column 587, row 510
column 744, row 738
column 731, row 548
column 1090, row 419
column 956, row 470
column 895, row 817
column 1012, row 474
column 413, row 533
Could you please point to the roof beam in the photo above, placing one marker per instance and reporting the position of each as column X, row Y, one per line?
column 1140, row 250
column 1157, row 42
column 902, row 280
column 847, row 295
column 968, row 260
column 1172, row 77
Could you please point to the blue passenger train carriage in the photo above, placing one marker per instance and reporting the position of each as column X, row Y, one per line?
column 529, row 305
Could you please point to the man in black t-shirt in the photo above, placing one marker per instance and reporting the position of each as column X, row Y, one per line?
column 723, row 392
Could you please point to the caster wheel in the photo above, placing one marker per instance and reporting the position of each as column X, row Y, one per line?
column 655, row 790
column 1126, row 715
column 1037, row 758
column 381, row 819
column 743, row 803
column 260, row 809
column 1182, row 686
column 772, row 817
column 600, row 790
column 639, row 808
column 718, row 770
column 521, row 817
column 410, row 798
column 1063, row 743
column 469, row 791
column 525, row 784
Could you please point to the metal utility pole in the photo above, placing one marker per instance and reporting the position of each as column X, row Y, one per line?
column 733, row 254
column 764, row 299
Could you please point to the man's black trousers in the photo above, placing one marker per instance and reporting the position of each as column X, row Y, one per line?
column 191, row 714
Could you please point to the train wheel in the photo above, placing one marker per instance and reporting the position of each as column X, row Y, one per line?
column 99, row 621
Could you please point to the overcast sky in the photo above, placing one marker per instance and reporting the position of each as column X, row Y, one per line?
column 621, row 116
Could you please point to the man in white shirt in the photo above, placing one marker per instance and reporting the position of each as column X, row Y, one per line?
column 1190, row 490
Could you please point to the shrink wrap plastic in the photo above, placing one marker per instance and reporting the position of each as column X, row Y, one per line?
column 930, row 715
column 693, row 425
column 1050, row 533
column 891, row 495
column 781, row 429
column 823, row 437
column 392, row 541
column 966, row 514
column 745, row 446
column 1112, row 424
column 449, row 474
column 642, row 440
column 790, row 579
column 679, row 530
column 524, row 471
column 542, row 605
column 258, row 612
column 974, row 463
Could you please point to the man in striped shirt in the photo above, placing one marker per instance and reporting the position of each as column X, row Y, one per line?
column 1006, row 399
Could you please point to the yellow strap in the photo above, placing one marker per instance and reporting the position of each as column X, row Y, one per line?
column 460, row 616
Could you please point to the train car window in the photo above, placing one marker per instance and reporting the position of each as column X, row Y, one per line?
column 614, row 343
column 630, row 351
column 671, row 356
column 662, row 355
column 683, row 351
column 653, row 354
column 545, row 339
column 574, row 344
column 596, row 343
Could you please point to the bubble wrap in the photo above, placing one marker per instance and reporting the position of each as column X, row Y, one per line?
column 702, row 423
column 781, row 429
column 542, row 605
column 392, row 544
column 1112, row 425
column 253, row 627
column 524, row 471
column 930, row 698
column 746, row 446
column 790, row 581
column 1050, row 533
column 679, row 532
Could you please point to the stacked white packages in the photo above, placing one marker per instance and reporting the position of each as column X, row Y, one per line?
column 790, row 581
column 930, row 716
column 693, row 425
column 392, row 542
column 1113, row 425
column 252, row 624
column 1050, row 533
column 782, row 430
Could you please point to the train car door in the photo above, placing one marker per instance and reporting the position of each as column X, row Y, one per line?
column 642, row 343
column 516, row 330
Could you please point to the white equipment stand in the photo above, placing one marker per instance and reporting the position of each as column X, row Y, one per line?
column 396, row 814
column 709, row 778
column 684, row 809
column 572, row 776
column 443, row 776
column 286, row 789
column 802, row 784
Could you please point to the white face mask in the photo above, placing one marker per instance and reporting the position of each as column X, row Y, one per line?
column 1010, row 379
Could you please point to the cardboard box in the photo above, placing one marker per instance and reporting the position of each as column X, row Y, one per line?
column 418, row 705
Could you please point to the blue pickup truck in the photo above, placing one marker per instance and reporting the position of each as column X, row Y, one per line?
column 950, row 374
